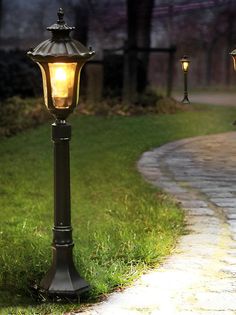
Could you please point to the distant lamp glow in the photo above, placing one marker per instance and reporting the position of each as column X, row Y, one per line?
column 185, row 63
column 233, row 54
column 185, row 67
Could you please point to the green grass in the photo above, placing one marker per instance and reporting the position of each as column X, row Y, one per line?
column 122, row 225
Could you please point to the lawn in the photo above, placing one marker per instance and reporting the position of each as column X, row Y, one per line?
column 122, row 225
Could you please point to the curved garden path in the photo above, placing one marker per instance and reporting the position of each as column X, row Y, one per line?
column 200, row 277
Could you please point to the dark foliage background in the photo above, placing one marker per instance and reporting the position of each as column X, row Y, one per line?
column 19, row 75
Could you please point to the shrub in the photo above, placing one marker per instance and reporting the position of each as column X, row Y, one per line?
column 17, row 114
column 144, row 105
column 20, row 76
column 168, row 105
column 148, row 99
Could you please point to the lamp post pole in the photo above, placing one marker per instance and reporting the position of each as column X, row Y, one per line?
column 62, row 278
column 185, row 99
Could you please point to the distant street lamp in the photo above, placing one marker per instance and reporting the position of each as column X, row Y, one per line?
column 233, row 54
column 185, row 65
column 61, row 60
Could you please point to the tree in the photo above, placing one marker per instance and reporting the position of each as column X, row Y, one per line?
column 81, row 11
column 139, row 14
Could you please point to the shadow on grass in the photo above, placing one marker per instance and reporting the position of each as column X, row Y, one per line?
column 14, row 299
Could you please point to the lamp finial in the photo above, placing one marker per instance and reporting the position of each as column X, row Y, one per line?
column 60, row 15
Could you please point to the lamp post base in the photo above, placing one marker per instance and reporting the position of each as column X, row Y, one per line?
column 62, row 280
column 185, row 100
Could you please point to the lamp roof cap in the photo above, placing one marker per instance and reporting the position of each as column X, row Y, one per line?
column 233, row 52
column 61, row 47
column 185, row 58
column 61, row 24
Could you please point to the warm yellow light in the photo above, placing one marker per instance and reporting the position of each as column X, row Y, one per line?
column 60, row 74
column 185, row 65
column 59, row 84
column 62, row 83
column 234, row 62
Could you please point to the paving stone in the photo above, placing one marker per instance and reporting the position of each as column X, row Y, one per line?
column 230, row 210
column 194, row 204
column 209, row 221
column 231, row 269
column 221, row 285
column 224, row 200
column 194, row 313
column 231, row 216
column 110, row 310
column 221, row 301
column 175, row 190
column 225, row 203
column 219, row 195
column 216, row 189
column 200, row 212
column 229, row 260
column 182, row 196
column 231, row 252
column 199, row 239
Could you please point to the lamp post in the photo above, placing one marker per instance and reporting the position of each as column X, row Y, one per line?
column 61, row 60
column 185, row 65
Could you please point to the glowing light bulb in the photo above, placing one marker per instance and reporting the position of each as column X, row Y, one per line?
column 59, row 82
column 60, row 74
column 185, row 65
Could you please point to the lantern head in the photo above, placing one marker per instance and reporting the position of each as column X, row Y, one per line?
column 233, row 54
column 185, row 63
column 60, row 59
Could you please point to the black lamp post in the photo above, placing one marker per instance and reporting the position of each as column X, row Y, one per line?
column 61, row 60
column 185, row 65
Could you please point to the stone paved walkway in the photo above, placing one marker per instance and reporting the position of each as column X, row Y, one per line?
column 200, row 277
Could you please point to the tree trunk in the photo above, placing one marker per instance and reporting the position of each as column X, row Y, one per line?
column 208, row 54
column 144, row 16
column 81, row 22
column 1, row 17
column 81, row 12
column 229, row 44
column 208, row 66
column 136, row 64
column 130, row 56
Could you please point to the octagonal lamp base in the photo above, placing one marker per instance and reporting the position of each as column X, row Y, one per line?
column 63, row 280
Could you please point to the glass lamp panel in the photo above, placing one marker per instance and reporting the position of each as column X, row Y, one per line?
column 45, row 90
column 62, row 83
column 78, row 86
column 185, row 65
column 234, row 61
